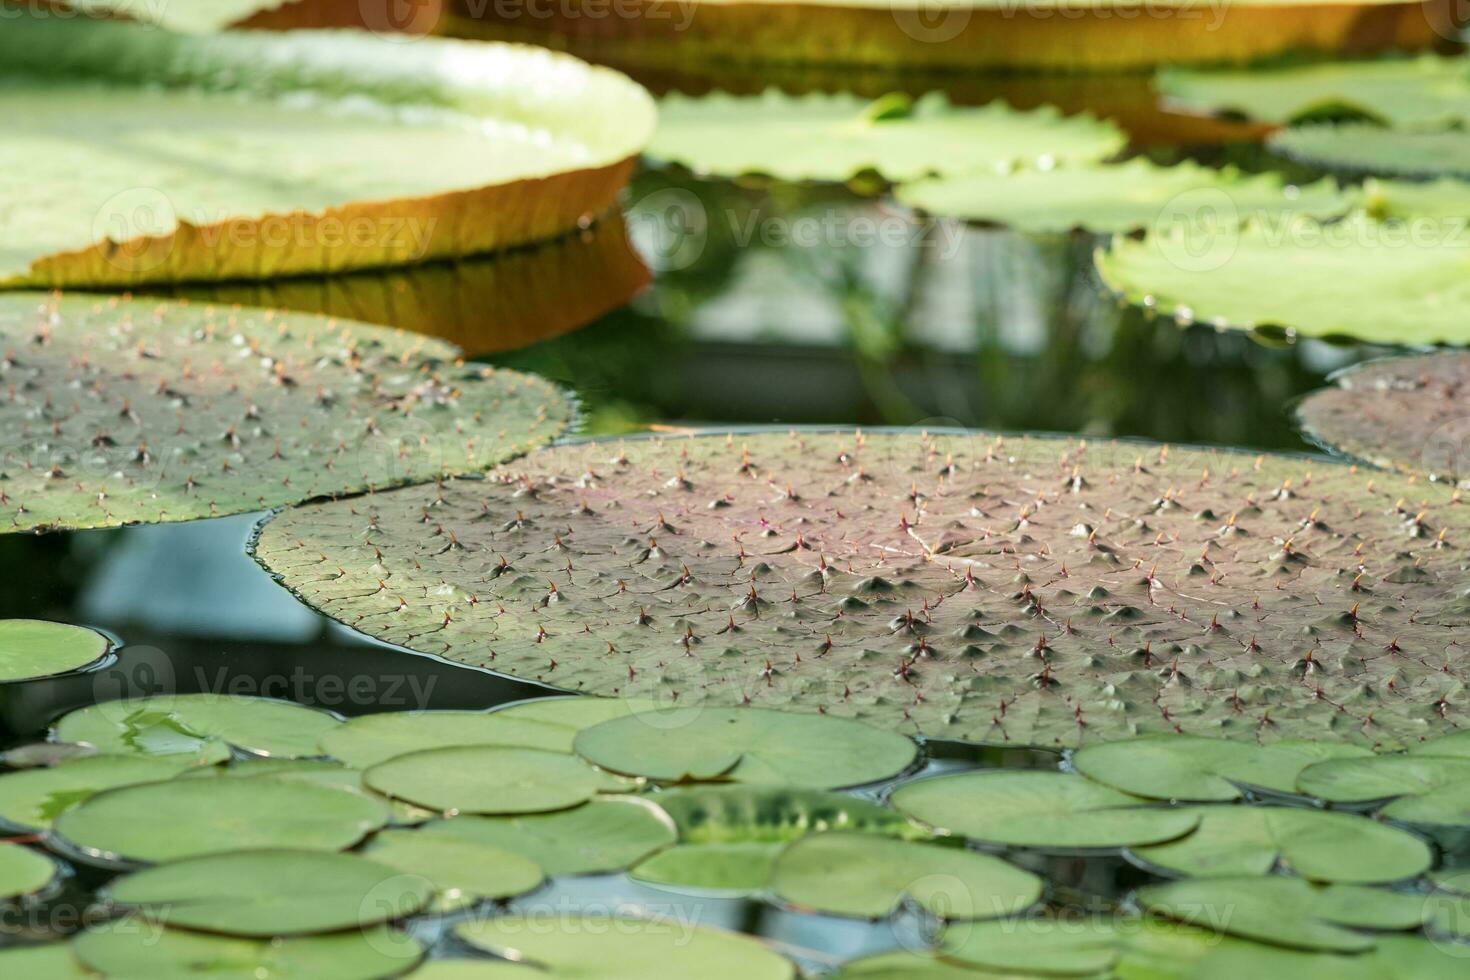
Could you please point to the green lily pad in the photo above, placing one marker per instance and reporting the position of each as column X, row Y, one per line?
column 1170, row 767
column 572, row 714
column 192, row 817
column 600, row 835
column 134, row 949
column 485, row 779
column 1393, row 958
column 1456, row 744
column 368, row 740
column 470, row 970
column 198, row 725
column 387, row 153
column 1380, row 282
column 869, row 876
column 1404, row 413
column 574, row 946
column 1047, row 945
column 1244, row 840
column 205, row 411
column 837, row 137
column 50, row 962
column 1286, row 911
column 23, row 871
column 1448, row 807
column 31, row 648
column 748, row 745
column 1381, row 777
column 1038, row 809
column 1445, row 198
column 1362, row 148
column 321, row 772
column 735, row 868
column 462, row 871
column 1131, row 196
column 261, row 893
column 910, row 613
column 34, row 798
column 1410, row 92
column 907, row 966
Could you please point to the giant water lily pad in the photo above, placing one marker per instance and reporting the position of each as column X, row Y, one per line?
column 1389, row 282
column 34, row 798
column 1410, row 92
column 598, row 836
column 462, row 872
column 31, row 648
column 195, row 411
column 23, row 871
column 1286, row 911
column 191, row 817
column 1039, row 809
column 485, row 779
column 201, row 725
column 1407, row 413
column 1204, row 769
column 870, row 876
column 573, row 946
column 1382, row 777
column 1363, row 148
column 1131, row 196
column 1033, row 591
column 387, row 154
column 837, row 137
column 133, row 948
column 262, row 893
column 1233, row 841
column 371, row 739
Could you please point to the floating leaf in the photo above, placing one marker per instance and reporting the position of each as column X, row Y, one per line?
column 1128, row 197
column 463, row 872
column 50, row 962
column 198, row 725
column 133, row 947
column 906, row 966
column 1038, row 809
column 746, row 745
column 202, row 412
column 1448, row 807
column 1166, row 767
column 470, row 970
column 23, row 871
column 1456, row 744
column 261, row 893
column 1412, row 92
column 386, row 154
column 485, row 779
column 837, row 137
column 1207, row 592
column 1044, row 944
column 1381, row 777
column 572, row 714
column 192, row 817
column 34, row 798
column 869, row 876
column 598, row 836
column 1362, row 148
column 31, row 648
column 322, row 772
column 575, row 945
column 1244, row 840
column 1380, row 282
column 1394, row 958
column 370, row 739
column 1389, row 199
column 1286, row 911
column 1406, row 413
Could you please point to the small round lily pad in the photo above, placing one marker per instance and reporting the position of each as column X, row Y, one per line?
column 23, row 871
column 1381, row 777
column 1170, row 767
column 868, row 876
column 1322, row 846
column 585, row 945
column 462, row 871
column 198, row 724
column 485, row 779
column 33, row 799
column 748, row 745
column 262, row 893
column 31, row 648
column 365, row 741
column 183, row 818
column 1039, row 810
column 133, row 947
column 601, row 835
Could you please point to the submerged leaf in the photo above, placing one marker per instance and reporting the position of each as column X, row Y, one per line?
column 31, row 648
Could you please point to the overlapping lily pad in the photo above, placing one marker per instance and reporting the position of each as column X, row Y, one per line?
column 23, row 871
column 53, row 961
column 462, row 871
column 1233, row 841
column 485, row 779
column 34, row 798
column 389, row 153
column 321, row 772
column 870, row 876
column 1364, row 148
column 204, row 726
column 600, row 835
column 1024, row 590
column 184, row 818
column 1406, row 413
column 31, row 648
column 572, row 946
column 1382, row 777
column 370, row 739
column 1039, row 810
column 1204, row 769
column 263, row 893
column 134, row 947
column 1128, row 197
column 837, row 137
column 200, row 412
column 1381, row 282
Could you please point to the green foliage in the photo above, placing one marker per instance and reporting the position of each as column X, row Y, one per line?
column 31, row 648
